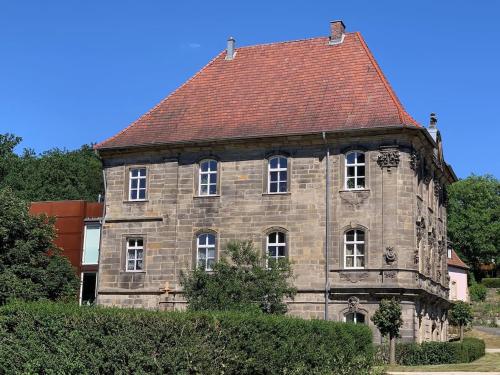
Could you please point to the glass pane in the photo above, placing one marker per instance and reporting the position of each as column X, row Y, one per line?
column 139, row 242
column 349, row 317
column 360, row 249
column 213, row 178
column 204, row 178
column 213, row 165
column 142, row 183
column 138, row 265
column 361, row 183
column 210, row 264
column 350, row 183
column 272, row 237
column 131, row 243
column 360, row 235
column 133, row 194
column 211, row 239
column 142, row 172
column 273, row 163
column 91, row 244
column 360, row 261
column 201, row 263
column 273, row 188
column 272, row 251
column 203, row 189
column 139, row 254
column 204, row 166
column 361, row 171
column 283, row 187
column 202, row 239
column 350, row 171
column 142, row 194
column 133, row 184
column 131, row 254
column 349, row 249
column 281, row 237
column 360, row 318
column 130, row 265
column 213, row 189
column 202, row 254
column 361, row 157
column 351, row 158
column 349, row 236
column 273, row 176
column 134, row 172
column 283, row 176
column 283, row 162
column 281, row 251
column 349, row 262
column 211, row 253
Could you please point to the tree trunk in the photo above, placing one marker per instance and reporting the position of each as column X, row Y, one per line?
column 461, row 332
column 392, row 350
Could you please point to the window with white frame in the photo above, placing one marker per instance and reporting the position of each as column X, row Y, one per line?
column 207, row 178
column 354, row 317
column 137, row 184
column 91, row 239
column 205, row 251
column 276, row 247
column 354, row 249
column 135, row 254
column 355, row 170
column 277, row 175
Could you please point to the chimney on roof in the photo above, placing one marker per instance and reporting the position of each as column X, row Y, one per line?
column 432, row 129
column 337, row 32
column 230, row 52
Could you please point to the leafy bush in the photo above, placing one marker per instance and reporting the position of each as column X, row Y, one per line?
column 434, row 353
column 491, row 282
column 52, row 338
column 477, row 292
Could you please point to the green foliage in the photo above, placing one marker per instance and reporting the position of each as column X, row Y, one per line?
column 30, row 266
column 388, row 317
column 240, row 283
column 491, row 282
column 53, row 175
column 435, row 353
column 460, row 314
column 477, row 292
column 474, row 219
column 54, row 338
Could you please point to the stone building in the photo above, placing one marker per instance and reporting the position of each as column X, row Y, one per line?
column 302, row 147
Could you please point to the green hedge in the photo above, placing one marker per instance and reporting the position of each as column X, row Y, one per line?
column 435, row 353
column 477, row 292
column 55, row 338
column 491, row 282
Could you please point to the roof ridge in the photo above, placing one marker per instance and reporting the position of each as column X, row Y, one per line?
column 401, row 111
column 285, row 42
column 98, row 145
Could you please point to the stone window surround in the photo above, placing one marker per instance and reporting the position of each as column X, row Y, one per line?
column 345, row 229
column 356, row 165
column 126, row 190
column 196, row 177
column 123, row 262
column 194, row 251
column 343, row 312
column 273, row 229
column 343, row 171
column 265, row 174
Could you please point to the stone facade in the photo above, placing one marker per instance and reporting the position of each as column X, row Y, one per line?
column 401, row 211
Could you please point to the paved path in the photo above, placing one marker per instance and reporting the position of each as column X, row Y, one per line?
column 442, row 373
column 490, row 330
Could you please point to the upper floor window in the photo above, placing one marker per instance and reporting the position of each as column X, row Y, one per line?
column 276, row 247
column 91, row 238
column 137, row 184
column 354, row 249
column 355, row 317
column 135, row 254
column 355, row 170
column 205, row 251
column 277, row 175
column 207, row 177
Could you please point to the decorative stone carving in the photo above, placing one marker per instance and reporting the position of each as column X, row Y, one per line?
column 354, row 198
column 416, row 257
column 390, row 274
column 438, row 274
column 420, row 230
column 441, row 247
column 390, row 255
column 353, row 304
column 388, row 158
column 437, row 190
column 431, row 238
column 427, row 175
column 353, row 277
column 414, row 161
column 428, row 266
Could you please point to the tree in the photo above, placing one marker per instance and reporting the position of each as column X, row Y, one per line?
column 461, row 315
column 474, row 219
column 30, row 265
column 53, row 175
column 388, row 320
column 241, row 283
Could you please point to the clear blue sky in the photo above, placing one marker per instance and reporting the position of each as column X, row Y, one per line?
column 74, row 72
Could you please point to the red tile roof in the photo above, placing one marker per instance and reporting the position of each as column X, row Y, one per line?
column 298, row 87
column 455, row 261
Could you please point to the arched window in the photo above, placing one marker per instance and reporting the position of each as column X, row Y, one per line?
column 276, row 247
column 355, row 170
column 354, row 249
column 208, row 177
column 354, row 317
column 277, row 176
column 205, row 251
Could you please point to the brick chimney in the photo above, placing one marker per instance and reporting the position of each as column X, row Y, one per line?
column 230, row 52
column 337, row 30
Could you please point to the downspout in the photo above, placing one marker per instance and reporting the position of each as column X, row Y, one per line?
column 103, row 221
column 327, row 225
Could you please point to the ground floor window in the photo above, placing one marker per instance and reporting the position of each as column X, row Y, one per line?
column 89, row 284
column 357, row 318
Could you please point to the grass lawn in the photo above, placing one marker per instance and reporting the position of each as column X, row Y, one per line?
column 491, row 341
column 490, row 362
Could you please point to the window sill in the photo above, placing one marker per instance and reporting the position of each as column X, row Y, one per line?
column 206, row 196
column 271, row 194
column 354, row 190
column 136, row 201
column 134, row 272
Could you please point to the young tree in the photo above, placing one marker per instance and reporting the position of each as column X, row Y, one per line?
column 243, row 282
column 30, row 266
column 461, row 315
column 474, row 219
column 388, row 320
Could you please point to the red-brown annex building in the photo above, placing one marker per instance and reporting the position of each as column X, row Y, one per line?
column 78, row 225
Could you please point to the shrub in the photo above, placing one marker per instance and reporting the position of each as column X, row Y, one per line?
column 477, row 292
column 435, row 353
column 54, row 338
column 491, row 282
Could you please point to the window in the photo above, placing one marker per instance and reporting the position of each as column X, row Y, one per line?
column 354, row 317
column 135, row 254
column 355, row 170
column 88, row 288
column 276, row 247
column 205, row 251
column 91, row 237
column 137, row 184
column 208, row 177
column 354, row 249
column 277, row 175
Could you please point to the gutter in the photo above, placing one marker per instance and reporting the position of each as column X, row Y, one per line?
column 102, row 222
column 327, row 225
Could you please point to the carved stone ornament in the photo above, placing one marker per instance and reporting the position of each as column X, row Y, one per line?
column 390, row 255
column 354, row 198
column 414, row 161
column 353, row 304
column 353, row 277
column 390, row 274
column 388, row 158
column 416, row 257
column 428, row 266
column 437, row 190
column 431, row 238
column 420, row 230
column 441, row 246
column 438, row 274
